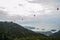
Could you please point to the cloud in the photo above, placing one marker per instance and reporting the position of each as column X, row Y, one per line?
column 3, row 14
column 49, row 6
column 29, row 9
column 54, row 3
column 43, row 1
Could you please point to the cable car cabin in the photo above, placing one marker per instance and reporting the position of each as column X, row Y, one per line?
column 34, row 15
column 57, row 8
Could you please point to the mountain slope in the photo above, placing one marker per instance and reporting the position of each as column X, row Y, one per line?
column 10, row 31
column 47, row 33
column 56, row 35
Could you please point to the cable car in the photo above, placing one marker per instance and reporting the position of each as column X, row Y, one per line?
column 57, row 5
column 34, row 15
column 57, row 8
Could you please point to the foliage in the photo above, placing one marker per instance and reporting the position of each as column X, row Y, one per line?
column 13, row 31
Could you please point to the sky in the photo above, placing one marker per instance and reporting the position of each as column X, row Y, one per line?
column 22, row 12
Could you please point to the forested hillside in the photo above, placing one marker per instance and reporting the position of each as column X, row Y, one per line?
column 13, row 31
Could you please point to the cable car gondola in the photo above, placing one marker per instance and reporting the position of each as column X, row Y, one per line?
column 57, row 8
column 34, row 15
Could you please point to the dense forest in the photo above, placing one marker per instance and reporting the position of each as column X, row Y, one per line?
column 13, row 31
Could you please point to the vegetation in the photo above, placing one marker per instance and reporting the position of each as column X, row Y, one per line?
column 13, row 31
column 56, row 35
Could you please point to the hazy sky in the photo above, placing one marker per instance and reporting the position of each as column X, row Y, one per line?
column 45, row 10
